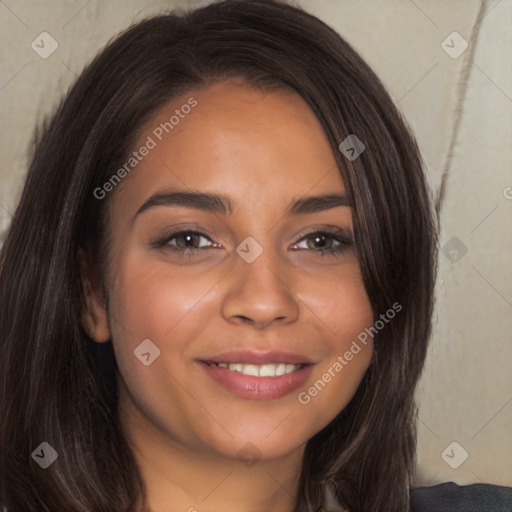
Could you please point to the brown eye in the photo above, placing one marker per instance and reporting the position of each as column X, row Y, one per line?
column 320, row 241
column 187, row 240
column 325, row 243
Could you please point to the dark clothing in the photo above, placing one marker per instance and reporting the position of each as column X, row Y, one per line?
column 450, row 497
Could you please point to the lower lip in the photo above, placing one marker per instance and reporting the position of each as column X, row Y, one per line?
column 258, row 388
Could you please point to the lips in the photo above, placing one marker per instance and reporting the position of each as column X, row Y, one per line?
column 258, row 375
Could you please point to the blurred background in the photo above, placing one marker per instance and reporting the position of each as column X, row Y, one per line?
column 448, row 66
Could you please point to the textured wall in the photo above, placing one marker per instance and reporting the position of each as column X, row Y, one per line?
column 458, row 101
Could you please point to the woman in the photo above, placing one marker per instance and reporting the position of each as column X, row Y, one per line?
column 217, row 288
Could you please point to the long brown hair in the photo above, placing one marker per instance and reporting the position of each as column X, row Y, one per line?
column 57, row 385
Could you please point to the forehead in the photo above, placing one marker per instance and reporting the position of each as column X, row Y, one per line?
column 235, row 139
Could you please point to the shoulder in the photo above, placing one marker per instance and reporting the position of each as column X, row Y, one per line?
column 450, row 497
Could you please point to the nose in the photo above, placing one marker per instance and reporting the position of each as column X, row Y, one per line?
column 258, row 295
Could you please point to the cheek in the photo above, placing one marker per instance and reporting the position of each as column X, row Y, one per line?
column 157, row 302
column 153, row 299
column 340, row 302
column 170, row 307
column 344, row 312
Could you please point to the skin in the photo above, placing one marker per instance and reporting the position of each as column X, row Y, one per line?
column 263, row 150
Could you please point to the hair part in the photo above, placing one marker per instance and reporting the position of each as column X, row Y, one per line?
column 65, row 381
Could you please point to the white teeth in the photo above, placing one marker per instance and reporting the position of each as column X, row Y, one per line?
column 267, row 370
column 289, row 368
column 264, row 370
column 281, row 369
column 250, row 369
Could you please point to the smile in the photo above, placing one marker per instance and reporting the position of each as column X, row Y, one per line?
column 266, row 381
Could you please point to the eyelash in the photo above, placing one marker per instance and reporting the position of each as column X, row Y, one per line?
column 342, row 237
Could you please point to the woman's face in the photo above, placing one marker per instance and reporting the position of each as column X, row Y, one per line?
column 256, row 277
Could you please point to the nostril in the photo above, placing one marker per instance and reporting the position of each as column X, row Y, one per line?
column 251, row 321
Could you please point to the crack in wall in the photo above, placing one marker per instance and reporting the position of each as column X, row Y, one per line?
column 459, row 107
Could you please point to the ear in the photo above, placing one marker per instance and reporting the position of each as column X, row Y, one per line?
column 94, row 318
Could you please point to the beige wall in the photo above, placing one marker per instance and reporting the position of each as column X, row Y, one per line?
column 461, row 111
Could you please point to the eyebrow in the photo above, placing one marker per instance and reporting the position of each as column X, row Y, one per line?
column 218, row 203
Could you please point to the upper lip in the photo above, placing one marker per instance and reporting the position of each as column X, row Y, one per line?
column 258, row 357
